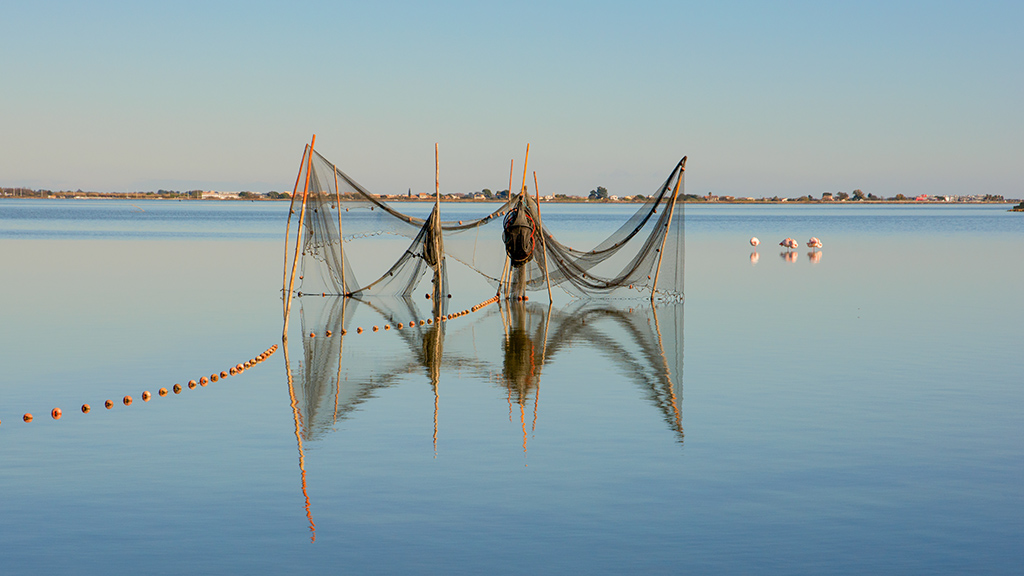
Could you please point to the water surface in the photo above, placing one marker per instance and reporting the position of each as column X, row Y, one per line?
column 852, row 412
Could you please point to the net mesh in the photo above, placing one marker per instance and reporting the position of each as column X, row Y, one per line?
column 345, row 229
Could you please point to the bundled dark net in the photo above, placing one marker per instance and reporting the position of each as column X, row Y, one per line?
column 626, row 260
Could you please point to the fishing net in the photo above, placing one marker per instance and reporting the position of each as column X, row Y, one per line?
column 345, row 228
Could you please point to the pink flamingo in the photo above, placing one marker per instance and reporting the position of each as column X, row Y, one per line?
column 754, row 241
column 814, row 243
column 789, row 244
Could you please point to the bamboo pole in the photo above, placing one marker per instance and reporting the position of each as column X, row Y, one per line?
column 501, row 281
column 298, row 241
column 288, row 229
column 436, row 232
column 522, row 192
column 543, row 242
column 526, row 161
column 668, row 225
column 341, row 239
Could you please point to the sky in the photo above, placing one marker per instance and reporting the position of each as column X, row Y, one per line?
column 765, row 98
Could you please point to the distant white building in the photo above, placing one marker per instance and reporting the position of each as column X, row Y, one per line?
column 215, row 195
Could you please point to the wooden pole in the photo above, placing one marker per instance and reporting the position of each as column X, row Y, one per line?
column 501, row 281
column 436, row 232
column 668, row 225
column 341, row 239
column 526, row 161
column 522, row 192
column 288, row 229
column 543, row 242
column 298, row 242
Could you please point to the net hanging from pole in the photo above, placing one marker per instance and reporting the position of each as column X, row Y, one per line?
column 626, row 260
column 645, row 253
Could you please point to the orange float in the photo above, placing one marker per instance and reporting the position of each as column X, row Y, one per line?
column 55, row 413
column 27, row 417
column 86, row 408
column 127, row 400
column 177, row 388
column 146, row 396
column 108, row 404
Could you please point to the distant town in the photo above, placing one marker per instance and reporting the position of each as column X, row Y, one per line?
column 599, row 194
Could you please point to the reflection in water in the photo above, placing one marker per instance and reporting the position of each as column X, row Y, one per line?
column 524, row 350
column 298, row 438
column 789, row 256
column 644, row 343
column 814, row 257
column 754, row 257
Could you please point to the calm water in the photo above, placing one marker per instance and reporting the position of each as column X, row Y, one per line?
column 853, row 412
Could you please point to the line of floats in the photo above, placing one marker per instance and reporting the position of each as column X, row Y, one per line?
column 428, row 321
column 56, row 413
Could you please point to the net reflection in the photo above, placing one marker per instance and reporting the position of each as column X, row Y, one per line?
column 341, row 368
column 644, row 343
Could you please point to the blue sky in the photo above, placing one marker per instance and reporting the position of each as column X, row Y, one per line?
column 765, row 98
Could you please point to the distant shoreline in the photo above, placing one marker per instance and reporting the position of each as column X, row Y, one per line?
column 560, row 200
